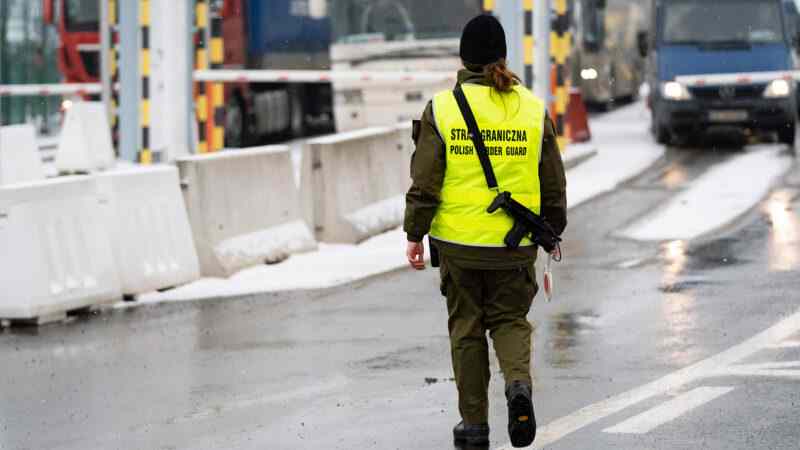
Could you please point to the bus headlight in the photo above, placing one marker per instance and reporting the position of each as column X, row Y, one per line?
column 778, row 89
column 672, row 90
column 589, row 74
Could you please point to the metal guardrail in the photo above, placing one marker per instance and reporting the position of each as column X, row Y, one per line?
column 43, row 90
column 321, row 76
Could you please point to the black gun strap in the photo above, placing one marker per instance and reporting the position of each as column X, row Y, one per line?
column 475, row 134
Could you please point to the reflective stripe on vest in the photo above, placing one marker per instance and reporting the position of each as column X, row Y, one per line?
column 512, row 125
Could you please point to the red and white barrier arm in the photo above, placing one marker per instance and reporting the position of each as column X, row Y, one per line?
column 44, row 90
column 321, row 76
column 735, row 78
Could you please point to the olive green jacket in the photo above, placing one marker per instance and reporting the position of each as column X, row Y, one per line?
column 427, row 172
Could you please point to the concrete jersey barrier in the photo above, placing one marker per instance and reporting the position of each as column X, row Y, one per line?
column 85, row 144
column 19, row 155
column 244, row 208
column 56, row 255
column 149, row 228
column 359, row 180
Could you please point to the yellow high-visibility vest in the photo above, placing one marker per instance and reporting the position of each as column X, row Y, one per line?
column 512, row 126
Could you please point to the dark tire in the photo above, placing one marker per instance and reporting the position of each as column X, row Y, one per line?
column 787, row 134
column 236, row 134
column 662, row 134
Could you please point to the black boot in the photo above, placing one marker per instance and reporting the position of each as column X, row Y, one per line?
column 521, row 421
column 471, row 434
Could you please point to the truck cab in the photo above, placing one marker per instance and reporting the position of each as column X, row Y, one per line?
column 697, row 37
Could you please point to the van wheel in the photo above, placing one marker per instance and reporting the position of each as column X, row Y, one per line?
column 786, row 134
column 663, row 136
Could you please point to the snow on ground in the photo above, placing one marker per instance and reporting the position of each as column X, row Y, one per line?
column 623, row 148
column 717, row 198
column 331, row 265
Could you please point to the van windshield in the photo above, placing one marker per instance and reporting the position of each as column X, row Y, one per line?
column 722, row 22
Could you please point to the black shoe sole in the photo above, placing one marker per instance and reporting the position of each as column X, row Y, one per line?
column 472, row 441
column 521, row 421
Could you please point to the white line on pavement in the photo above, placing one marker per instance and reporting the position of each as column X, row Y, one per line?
column 668, row 411
column 588, row 415
column 787, row 344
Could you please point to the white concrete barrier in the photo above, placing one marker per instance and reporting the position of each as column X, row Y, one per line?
column 359, row 180
column 55, row 256
column 149, row 228
column 244, row 207
column 19, row 155
column 85, row 144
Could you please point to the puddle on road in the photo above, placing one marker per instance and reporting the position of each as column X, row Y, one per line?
column 567, row 331
column 784, row 254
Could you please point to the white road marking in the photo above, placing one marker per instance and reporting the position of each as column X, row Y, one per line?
column 588, row 415
column 788, row 344
column 786, row 369
column 669, row 411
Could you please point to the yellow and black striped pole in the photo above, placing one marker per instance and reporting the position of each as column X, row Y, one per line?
column 145, row 153
column 113, row 31
column 560, row 48
column 488, row 6
column 216, row 115
column 528, row 43
column 201, row 63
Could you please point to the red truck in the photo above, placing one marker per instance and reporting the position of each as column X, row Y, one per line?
column 278, row 34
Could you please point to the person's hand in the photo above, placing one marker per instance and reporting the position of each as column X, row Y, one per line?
column 416, row 255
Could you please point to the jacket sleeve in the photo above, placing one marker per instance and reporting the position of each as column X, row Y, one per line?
column 553, row 180
column 427, row 174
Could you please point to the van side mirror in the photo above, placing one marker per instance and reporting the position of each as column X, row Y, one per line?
column 643, row 40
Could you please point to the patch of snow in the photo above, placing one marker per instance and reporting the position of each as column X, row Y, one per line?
column 269, row 246
column 330, row 265
column 378, row 217
column 625, row 148
column 717, row 198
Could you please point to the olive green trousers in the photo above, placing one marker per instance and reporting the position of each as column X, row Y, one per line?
column 497, row 301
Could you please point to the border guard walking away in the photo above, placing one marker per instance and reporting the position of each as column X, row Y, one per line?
column 485, row 144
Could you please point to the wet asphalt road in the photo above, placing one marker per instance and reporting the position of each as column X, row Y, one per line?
column 367, row 365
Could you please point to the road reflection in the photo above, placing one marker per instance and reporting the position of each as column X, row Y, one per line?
column 566, row 331
column 678, row 306
column 783, row 252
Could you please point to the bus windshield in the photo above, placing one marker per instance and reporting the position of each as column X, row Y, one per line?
column 722, row 22
column 593, row 24
column 82, row 15
column 357, row 21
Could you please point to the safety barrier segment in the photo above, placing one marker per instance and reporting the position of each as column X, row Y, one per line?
column 560, row 48
column 322, row 76
column 20, row 161
column 56, row 254
column 244, row 207
column 358, row 180
column 736, row 78
column 113, row 33
column 216, row 126
column 528, row 43
column 85, row 143
column 201, row 64
column 44, row 90
column 146, row 155
column 149, row 230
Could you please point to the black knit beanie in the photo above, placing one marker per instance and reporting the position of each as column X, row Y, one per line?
column 483, row 41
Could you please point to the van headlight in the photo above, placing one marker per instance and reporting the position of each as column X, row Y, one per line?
column 672, row 90
column 589, row 74
column 778, row 89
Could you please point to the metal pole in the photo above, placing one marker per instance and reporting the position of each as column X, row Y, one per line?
column 146, row 155
column 560, row 49
column 130, row 84
column 201, row 63
column 541, row 49
column 217, row 58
